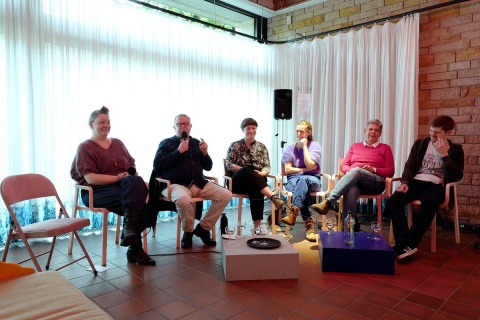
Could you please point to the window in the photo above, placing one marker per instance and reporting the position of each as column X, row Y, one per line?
column 215, row 13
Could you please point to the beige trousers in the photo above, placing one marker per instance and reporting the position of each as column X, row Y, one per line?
column 182, row 197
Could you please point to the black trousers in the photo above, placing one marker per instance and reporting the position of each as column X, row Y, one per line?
column 247, row 181
column 130, row 192
column 430, row 194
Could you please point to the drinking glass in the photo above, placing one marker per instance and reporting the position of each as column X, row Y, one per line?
column 240, row 227
column 264, row 230
column 255, row 234
column 230, row 231
column 330, row 222
column 376, row 228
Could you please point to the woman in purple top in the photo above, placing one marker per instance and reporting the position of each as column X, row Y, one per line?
column 366, row 166
column 302, row 166
column 106, row 165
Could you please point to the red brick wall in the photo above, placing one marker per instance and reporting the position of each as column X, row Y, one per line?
column 449, row 79
column 449, row 83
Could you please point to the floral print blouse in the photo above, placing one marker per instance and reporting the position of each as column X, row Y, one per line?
column 255, row 157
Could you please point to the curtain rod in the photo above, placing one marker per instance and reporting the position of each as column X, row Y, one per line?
column 260, row 40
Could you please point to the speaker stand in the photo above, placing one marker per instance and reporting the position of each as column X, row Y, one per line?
column 282, row 142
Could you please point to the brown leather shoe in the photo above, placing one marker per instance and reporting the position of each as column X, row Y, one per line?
column 322, row 207
column 291, row 218
column 310, row 232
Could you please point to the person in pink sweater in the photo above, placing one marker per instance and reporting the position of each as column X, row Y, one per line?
column 365, row 167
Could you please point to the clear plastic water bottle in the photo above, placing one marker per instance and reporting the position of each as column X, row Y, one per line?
column 348, row 233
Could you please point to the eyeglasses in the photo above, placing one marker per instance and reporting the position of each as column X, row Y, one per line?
column 182, row 124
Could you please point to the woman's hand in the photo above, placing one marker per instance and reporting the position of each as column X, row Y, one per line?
column 122, row 175
column 261, row 173
column 103, row 179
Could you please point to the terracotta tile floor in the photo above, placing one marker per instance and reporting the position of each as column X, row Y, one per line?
column 189, row 284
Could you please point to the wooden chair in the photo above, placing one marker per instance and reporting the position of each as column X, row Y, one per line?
column 377, row 197
column 228, row 183
column 452, row 186
column 327, row 179
column 78, row 205
column 168, row 198
column 23, row 187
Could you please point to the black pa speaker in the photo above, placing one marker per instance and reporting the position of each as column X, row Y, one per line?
column 282, row 104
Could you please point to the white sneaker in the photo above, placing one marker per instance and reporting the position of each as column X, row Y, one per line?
column 405, row 252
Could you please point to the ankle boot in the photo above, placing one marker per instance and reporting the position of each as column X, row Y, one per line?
column 291, row 218
column 130, row 219
column 136, row 254
column 310, row 231
column 322, row 207
column 277, row 218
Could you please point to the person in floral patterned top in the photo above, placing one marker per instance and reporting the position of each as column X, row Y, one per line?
column 248, row 164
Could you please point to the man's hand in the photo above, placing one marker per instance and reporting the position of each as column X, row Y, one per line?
column 369, row 168
column 203, row 147
column 442, row 146
column 183, row 146
column 402, row 188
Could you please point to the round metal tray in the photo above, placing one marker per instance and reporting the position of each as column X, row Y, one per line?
column 271, row 243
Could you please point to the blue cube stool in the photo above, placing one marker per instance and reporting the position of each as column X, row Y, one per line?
column 365, row 256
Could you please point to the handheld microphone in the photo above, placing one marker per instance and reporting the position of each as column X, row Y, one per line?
column 184, row 136
column 131, row 171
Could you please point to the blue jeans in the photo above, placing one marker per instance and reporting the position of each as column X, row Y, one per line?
column 356, row 182
column 301, row 186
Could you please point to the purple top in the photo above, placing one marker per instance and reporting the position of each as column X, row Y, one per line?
column 92, row 158
column 295, row 156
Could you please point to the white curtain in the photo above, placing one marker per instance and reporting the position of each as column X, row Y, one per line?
column 353, row 77
column 64, row 59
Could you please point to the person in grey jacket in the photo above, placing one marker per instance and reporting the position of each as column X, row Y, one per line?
column 433, row 162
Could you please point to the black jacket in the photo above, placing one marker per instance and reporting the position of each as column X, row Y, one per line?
column 182, row 168
column 453, row 163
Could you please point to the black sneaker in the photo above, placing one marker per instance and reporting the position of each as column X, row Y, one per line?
column 404, row 251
